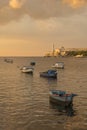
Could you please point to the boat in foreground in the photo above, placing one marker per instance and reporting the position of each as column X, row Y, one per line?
column 61, row 97
column 49, row 74
column 27, row 69
column 58, row 65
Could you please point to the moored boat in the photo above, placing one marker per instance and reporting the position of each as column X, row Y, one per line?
column 61, row 97
column 58, row 65
column 49, row 74
column 26, row 69
column 32, row 63
column 8, row 60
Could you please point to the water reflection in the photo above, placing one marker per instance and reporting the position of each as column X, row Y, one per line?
column 63, row 110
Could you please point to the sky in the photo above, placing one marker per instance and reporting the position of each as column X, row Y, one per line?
column 31, row 27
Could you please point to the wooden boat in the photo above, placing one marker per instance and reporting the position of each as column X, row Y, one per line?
column 58, row 65
column 61, row 97
column 49, row 74
column 27, row 69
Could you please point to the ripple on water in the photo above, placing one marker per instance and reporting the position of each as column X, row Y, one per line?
column 24, row 99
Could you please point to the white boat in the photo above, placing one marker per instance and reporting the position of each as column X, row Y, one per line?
column 61, row 97
column 58, row 65
column 26, row 69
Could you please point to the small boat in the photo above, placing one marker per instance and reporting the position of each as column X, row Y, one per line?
column 8, row 60
column 49, row 74
column 61, row 97
column 26, row 69
column 58, row 65
column 32, row 63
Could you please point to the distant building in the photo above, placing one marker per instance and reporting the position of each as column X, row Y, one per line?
column 57, row 52
column 78, row 56
column 62, row 51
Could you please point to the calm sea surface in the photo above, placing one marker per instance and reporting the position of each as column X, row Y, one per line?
column 24, row 98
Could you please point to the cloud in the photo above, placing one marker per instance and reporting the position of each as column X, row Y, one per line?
column 75, row 3
column 13, row 10
column 16, row 3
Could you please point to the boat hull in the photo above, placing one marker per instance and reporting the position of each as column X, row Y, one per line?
column 60, row 102
column 61, row 97
column 48, row 76
column 27, row 70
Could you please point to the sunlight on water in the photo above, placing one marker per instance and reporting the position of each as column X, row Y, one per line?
column 24, row 98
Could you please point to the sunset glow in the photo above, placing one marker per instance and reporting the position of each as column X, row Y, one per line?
column 31, row 27
column 75, row 3
column 16, row 3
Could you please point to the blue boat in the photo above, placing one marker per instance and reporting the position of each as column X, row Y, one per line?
column 49, row 74
column 61, row 97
